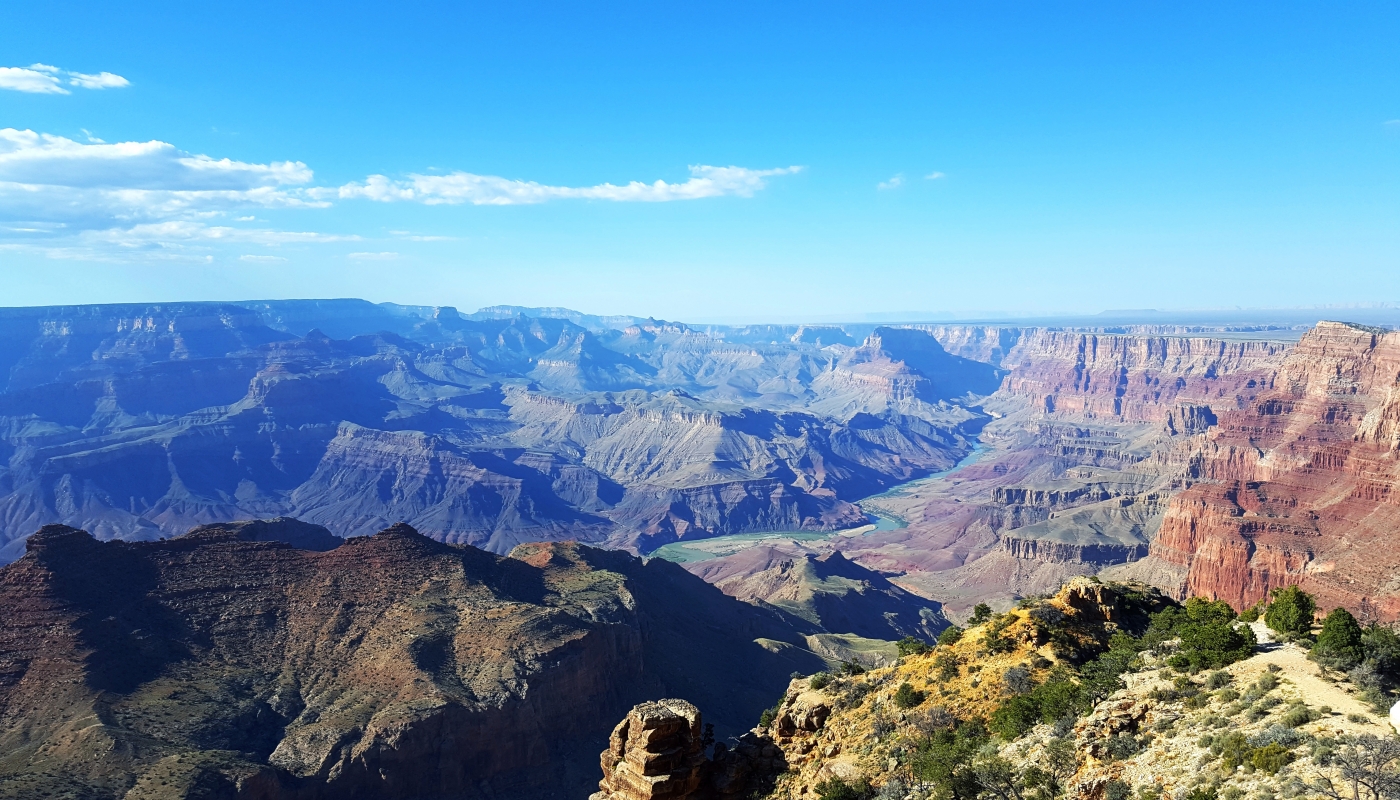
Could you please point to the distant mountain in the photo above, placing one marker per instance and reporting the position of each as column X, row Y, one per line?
column 140, row 421
column 592, row 322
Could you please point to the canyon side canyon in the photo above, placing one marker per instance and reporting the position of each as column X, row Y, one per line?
column 323, row 549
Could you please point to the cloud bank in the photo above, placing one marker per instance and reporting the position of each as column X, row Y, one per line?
column 465, row 187
column 123, row 200
column 45, row 79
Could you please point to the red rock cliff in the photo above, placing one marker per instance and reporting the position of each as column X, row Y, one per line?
column 1299, row 485
column 1167, row 379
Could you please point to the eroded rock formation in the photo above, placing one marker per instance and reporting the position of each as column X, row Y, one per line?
column 659, row 752
column 1298, row 485
column 656, row 752
column 228, row 663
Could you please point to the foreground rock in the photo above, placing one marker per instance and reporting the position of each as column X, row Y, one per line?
column 658, row 752
column 228, row 663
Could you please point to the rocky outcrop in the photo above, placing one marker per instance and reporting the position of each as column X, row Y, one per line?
column 228, row 663
column 659, row 751
column 655, row 753
column 1297, row 487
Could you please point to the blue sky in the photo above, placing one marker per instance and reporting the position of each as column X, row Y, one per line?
column 1084, row 156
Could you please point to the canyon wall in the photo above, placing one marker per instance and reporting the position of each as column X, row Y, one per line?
column 227, row 663
column 1298, row 485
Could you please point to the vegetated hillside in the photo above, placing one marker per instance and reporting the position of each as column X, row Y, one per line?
column 229, row 663
column 136, row 422
column 1107, row 691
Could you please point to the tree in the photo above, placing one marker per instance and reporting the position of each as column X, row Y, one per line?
column 1291, row 611
column 906, row 696
column 1211, row 644
column 998, row 778
column 1339, row 644
column 950, row 635
column 911, row 646
column 944, row 760
column 980, row 614
column 1366, row 770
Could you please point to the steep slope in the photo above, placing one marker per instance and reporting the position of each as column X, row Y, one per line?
column 949, row 722
column 226, row 663
column 1298, row 486
column 827, row 590
column 1089, row 445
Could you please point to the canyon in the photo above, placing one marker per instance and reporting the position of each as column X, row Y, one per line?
column 139, row 422
column 314, row 549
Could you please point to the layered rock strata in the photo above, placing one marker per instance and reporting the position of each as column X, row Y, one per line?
column 657, row 751
column 1298, row 485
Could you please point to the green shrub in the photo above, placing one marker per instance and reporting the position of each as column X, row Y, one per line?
column 1218, row 680
column 993, row 640
column 1117, row 790
column 1013, row 718
column 1227, row 695
column 1291, row 611
column 950, row 635
column 1298, row 715
column 766, row 718
column 1359, row 719
column 852, row 668
column 837, row 789
column 1233, row 750
column 1339, row 645
column 819, row 681
column 906, row 696
column 911, row 646
column 1271, row 757
column 1202, row 793
column 947, row 666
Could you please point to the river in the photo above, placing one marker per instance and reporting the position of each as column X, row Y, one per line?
column 719, row 546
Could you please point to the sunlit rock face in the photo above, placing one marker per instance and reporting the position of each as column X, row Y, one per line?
column 1299, row 485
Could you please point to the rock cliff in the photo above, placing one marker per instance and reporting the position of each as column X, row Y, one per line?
column 229, row 663
column 1298, row 485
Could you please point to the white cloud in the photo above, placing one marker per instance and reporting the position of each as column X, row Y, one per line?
column 102, row 80
column 32, row 81
column 136, row 200
column 46, row 79
column 262, row 259
column 465, row 187
column 892, row 183
column 98, row 185
column 934, row 176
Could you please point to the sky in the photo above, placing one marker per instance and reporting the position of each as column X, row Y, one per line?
column 703, row 161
